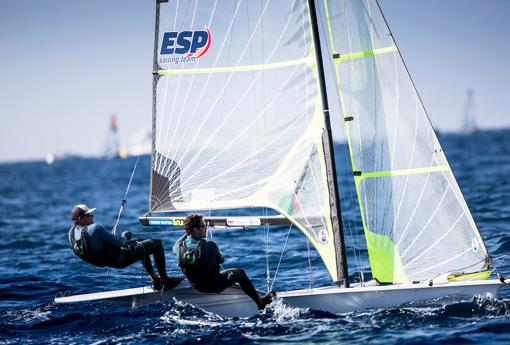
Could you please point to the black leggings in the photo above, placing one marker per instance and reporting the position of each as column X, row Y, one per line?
column 141, row 250
column 228, row 278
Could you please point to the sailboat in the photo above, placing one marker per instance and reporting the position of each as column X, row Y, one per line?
column 469, row 123
column 243, row 97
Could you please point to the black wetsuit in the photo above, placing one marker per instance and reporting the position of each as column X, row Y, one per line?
column 100, row 247
column 200, row 262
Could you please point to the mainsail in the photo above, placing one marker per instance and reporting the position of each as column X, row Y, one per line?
column 416, row 222
column 238, row 117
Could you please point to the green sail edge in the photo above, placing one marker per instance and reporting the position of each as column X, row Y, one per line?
column 384, row 259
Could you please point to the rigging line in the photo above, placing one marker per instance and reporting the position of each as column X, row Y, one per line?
column 411, row 217
column 240, row 134
column 426, row 224
column 185, row 100
column 225, row 85
column 436, row 242
column 396, row 217
column 281, row 256
column 124, row 200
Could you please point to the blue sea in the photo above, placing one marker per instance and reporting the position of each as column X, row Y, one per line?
column 36, row 262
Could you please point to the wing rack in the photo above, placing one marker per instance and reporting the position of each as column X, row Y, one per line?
column 217, row 221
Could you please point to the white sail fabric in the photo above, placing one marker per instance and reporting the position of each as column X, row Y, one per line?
column 239, row 119
column 416, row 221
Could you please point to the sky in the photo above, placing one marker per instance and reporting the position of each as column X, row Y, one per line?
column 67, row 66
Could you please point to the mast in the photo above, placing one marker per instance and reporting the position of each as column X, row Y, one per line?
column 334, row 200
column 155, row 78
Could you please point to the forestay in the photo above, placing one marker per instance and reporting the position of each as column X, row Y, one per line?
column 416, row 222
column 238, row 116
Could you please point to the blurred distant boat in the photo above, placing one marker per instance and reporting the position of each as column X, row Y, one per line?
column 53, row 157
column 470, row 125
column 50, row 158
column 112, row 146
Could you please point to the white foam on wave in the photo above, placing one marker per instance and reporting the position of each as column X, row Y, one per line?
column 284, row 312
column 29, row 315
column 187, row 314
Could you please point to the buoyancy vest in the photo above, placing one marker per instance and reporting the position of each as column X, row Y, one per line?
column 194, row 263
column 105, row 256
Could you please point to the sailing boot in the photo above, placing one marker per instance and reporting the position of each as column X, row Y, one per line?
column 165, row 283
column 156, row 282
column 265, row 300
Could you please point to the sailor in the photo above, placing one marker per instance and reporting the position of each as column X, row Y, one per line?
column 94, row 244
column 200, row 262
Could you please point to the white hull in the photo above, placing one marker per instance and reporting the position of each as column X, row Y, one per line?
column 233, row 302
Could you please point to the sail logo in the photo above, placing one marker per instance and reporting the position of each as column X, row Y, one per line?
column 184, row 46
column 474, row 245
column 323, row 236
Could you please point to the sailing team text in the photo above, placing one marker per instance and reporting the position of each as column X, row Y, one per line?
column 176, row 59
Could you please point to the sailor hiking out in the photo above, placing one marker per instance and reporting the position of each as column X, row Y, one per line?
column 200, row 261
column 92, row 243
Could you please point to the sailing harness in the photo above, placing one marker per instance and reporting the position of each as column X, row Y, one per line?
column 191, row 259
column 105, row 256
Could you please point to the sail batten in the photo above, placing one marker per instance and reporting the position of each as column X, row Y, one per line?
column 267, row 66
column 339, row 58
column 401, row 172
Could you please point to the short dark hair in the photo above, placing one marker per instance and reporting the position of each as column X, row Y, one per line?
column 192, row 221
